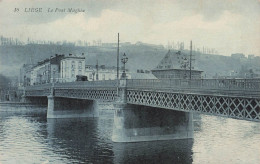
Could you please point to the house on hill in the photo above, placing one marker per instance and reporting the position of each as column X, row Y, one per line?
column 175, row 65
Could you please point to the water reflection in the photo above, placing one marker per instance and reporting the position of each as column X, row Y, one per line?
column 26, row 136
column 21, row 139
column 78, row 139
column 174, row 151
column 225, row 140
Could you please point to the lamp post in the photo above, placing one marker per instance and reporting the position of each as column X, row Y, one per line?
column 97, row 71
column 124, row 60
column 93, row 74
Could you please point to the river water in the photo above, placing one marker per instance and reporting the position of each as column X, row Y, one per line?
column 26, row 136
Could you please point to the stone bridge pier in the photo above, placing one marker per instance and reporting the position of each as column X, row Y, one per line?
column 134, row 123
column 59, row 107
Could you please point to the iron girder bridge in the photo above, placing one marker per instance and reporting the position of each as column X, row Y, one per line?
column 235, row 98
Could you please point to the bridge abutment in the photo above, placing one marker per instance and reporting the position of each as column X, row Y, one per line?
column 134, row 123
column 71, row 108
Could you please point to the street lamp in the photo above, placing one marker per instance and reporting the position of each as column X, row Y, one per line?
column 93, row 74
column 124, row 60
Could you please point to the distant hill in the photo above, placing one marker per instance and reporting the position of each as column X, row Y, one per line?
column 141, row 56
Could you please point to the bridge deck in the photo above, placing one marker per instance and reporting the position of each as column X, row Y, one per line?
column 237, row 98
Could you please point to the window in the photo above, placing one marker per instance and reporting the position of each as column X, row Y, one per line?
column 80, row 72
column 72, row 64
column 80, row 65
column 72, row 72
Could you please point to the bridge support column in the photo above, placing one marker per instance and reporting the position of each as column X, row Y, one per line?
column 71, row 108
column 134, row 123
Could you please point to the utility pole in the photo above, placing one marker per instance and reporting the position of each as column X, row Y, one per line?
column 50, row 70
column 117, row 75
column 190, row 56
column 117, row 66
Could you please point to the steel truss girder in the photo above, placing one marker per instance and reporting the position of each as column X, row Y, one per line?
column 91, row 94
column 235, row 107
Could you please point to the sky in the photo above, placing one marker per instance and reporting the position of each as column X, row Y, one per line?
column 229, row 26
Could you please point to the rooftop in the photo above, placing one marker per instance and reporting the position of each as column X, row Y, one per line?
column 82, row 56
column 174, row 60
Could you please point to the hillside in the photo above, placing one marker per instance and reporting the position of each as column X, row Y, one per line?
column 13, row 57
column 141, row 56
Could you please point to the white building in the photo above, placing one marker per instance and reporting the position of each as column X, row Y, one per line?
column 66, row 68
column 71, row 66
column 103, row 73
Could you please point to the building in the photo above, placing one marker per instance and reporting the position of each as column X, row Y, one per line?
column 142, row 74
column 46, row 71
column 66, row 68
column 103, row 73
column 25, row 75
column 71, row 66
column 175, row 65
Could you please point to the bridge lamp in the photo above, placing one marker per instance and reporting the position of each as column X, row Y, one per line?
column 93, row 74
column 124, row 60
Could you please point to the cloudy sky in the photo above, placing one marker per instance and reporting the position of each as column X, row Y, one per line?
column 230, row 26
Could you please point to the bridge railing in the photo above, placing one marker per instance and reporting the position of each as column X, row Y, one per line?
column 38, row 87
column 87, row 84
column 78, row 84
column 230, row 85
